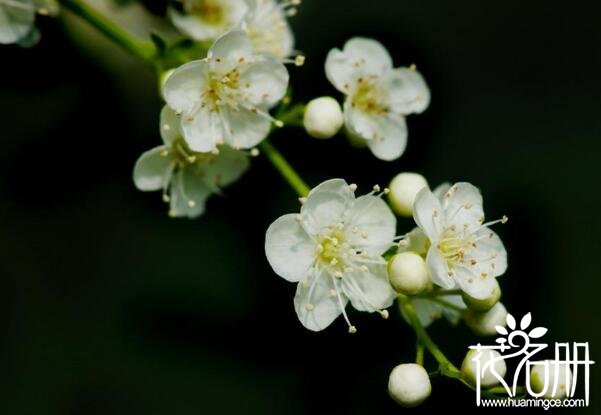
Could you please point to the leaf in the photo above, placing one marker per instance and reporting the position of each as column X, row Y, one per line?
column 501, row 330
column 510, row 321
column 159, row 42
column 537, row 332
column 526, row 320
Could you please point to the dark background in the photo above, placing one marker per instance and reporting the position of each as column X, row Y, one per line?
column 109, row 307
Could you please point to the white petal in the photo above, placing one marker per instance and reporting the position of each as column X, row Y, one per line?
column 427, row 311
column 374, row 222
column 16, row 20
column 314, row 303
column 183, row 88
column 408, row 91
column 267, row 80
column 360, row 56
column 289, row 250
column 490, row 254
column 415, row 241
column 268, row 28
column 391, row 138
column 188, row 193
column 463, row 206
column 202, row 130
column 369, row 291
column 359, row 122
column 226, row 168
column 327, row 204
column 441, row 189
column 428, row 214
column 169, row 125
column 151, row 169
column 230, row 50
column 451, row 314
column 439, row 271
column 476, row 285
column 198, row 28
column 244, row 128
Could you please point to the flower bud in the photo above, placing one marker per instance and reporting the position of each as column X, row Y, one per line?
column 409, row 384
column 408, row 273
column 539, row 373
column 323, row 117
column 483, row 304
column 488, row 379
column 403, row 189
column 484, row 323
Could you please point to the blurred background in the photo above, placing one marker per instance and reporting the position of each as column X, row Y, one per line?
column 110, row 307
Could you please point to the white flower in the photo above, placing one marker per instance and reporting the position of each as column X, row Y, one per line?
column 463, row 251
column 409, row 384
column 186, row 177
column 323, row 117
column 378, row 96
column 334, row 248
column 225, row 98
column 268, row 29
column 207, row 19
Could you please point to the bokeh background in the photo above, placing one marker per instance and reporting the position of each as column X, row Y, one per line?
column 109, row 307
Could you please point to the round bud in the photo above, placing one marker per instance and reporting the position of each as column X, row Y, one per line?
column 409, row 384
column 539, row 373
column 483, row 304
column 403, row 189
column 484, row 323
column 488, row 379
column 408, row 273
column 323, row 117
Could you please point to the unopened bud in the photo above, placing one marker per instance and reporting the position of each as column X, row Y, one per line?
column 484, row 323
column 409, row 384
column 323, row 117
column 484, row 304
column 550, row 371
column 488, row 374
column 403, row 189
column 408, row 273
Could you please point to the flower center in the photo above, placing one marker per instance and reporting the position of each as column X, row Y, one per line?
column 210, row 12
column 185, row 157
column 222, row 89
column 332, row 249
column 453, row 246
column 369, row 96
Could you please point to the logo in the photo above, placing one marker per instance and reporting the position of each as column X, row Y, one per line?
column 552, row 378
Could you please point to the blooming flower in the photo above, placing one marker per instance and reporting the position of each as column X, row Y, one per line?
column 225, row 98
column 463, row 252
column 207, row 19
column 333, row 249
column 267, row 27
column 378, row 96
column 186, row 177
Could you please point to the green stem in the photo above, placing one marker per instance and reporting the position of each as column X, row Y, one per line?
column 294, row 116
column 447, row 368
column 285, row 169
column 419, row 353
column 143, row 50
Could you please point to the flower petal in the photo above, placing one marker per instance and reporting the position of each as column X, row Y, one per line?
column 169, row 125
column 183, row 88
column 359, row 56
column 408, row 91
column 441, row 189
column 316, row 302
column 369, row 291
column 390, row 141
column 374, row 222
column 226, row 168
column 265, row 81
column 489, row 255
column 479, row 286
column 427, row 213
column 326, row 204
column 151, row 169
column 202, row 130
column 439, row 271
column 359, row 122
column 188, row 193
column 231, row 50
column 16, row 20
column 244, row 128
column 463, row 206
column 289, row 250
